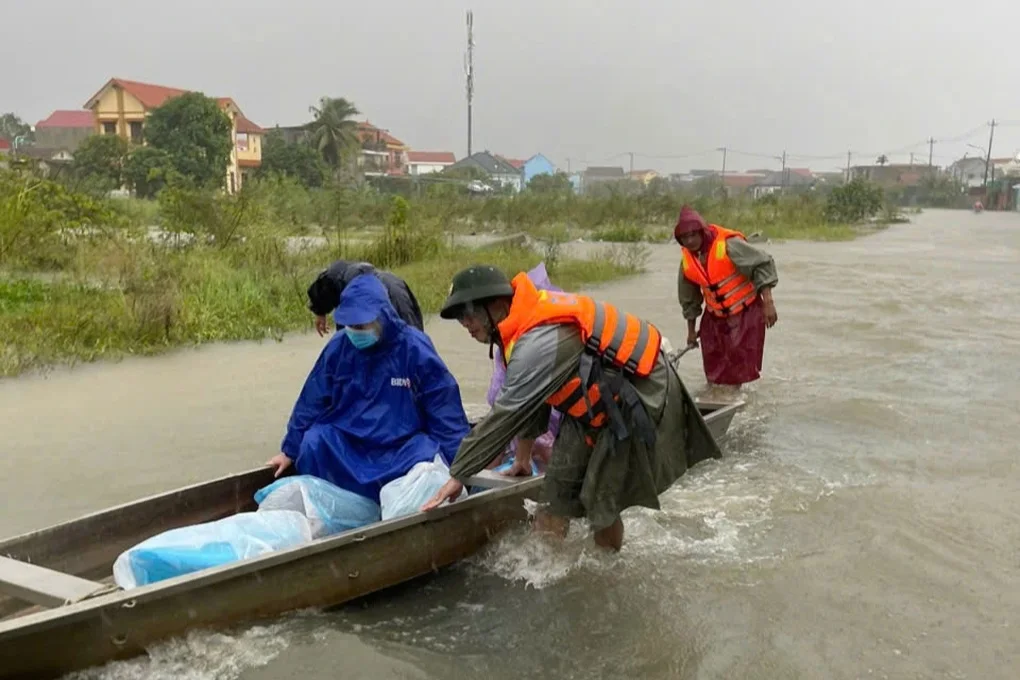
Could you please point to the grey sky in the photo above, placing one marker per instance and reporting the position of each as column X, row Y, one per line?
column 584, row 80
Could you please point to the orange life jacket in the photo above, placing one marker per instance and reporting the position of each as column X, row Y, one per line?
column 614, row 337
column 726, row 291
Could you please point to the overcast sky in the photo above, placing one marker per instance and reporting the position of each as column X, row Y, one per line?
column 589, row 81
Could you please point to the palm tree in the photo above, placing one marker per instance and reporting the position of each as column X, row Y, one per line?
column 334, row 133
column 882, row 160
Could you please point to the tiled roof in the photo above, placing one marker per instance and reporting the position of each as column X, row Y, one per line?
column 368, row 132
column 149, row 95
column 68, row 119
column 152, row 96
column 44, row 153
column 492, row 165
column 246, row 126
column 740, row 180
column 775, row 178
column 514, row 162
column 431, row 157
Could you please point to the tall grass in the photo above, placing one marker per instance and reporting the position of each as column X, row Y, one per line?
column 619, row 214
column 106, row 289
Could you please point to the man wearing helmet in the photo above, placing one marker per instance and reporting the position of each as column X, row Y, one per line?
column 629, row 428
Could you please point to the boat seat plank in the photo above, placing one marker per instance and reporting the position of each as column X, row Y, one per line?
column 42, row 586
column 490, row 479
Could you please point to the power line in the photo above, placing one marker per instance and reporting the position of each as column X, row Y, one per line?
column 964, row 137
column 672, row 156
column 914, row 147
column 753, row 154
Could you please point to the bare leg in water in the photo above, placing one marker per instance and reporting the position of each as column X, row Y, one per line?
column 611, row 537
column 553, row 525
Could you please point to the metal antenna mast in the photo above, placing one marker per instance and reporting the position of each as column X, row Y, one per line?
column 469, row 71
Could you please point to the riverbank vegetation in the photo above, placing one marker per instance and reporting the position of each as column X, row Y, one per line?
column 84, row 274
column 84, row 277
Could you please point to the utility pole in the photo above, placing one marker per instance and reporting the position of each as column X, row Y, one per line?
column 931, row 149
column 722, row 175
column 783, row 185
column 631, row 154
column 988, row 158
column 469, row 71
column 848, row 154
column 568, row 165
column 911, row 159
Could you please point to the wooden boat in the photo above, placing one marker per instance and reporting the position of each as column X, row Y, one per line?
column 60, row 611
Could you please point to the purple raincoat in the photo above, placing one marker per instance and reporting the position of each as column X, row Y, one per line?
column 543, row 445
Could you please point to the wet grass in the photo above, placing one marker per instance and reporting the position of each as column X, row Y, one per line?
column 619, row 216
column 147, row 300
column 80, row 281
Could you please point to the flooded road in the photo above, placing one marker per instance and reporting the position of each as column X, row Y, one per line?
column 864, row 522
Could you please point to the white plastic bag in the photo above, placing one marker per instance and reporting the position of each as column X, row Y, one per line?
column 292, row 511
column 405, row 495
column 329, row 508
column 190, row 549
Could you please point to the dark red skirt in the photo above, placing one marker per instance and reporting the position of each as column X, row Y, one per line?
column 732, row 347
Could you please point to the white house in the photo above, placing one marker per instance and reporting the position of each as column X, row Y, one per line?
column 1007, row 167
column 427, row 162
column 969, row 171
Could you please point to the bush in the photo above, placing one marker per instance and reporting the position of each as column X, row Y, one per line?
column 855, row 201
column 38, row 217
column 219, row 218
column 404, row 241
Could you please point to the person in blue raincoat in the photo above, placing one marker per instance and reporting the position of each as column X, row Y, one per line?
column 324, row 293
column 378, row 400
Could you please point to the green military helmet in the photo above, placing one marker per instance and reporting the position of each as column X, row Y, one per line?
column 480, row 282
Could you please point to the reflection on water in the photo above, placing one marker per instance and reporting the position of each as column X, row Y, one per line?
column 862, row 524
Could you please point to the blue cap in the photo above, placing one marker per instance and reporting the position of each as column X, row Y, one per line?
column 362, row 301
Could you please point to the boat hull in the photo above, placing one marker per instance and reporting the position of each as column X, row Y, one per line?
column 48, row 643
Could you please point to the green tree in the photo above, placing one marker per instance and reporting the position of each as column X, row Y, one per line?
column 195, row 135
column 100, row 159
column 853, row 202
column 298, row 160
column 34, row 211
column 882, row 160
column 558, row 183
column 147, row 170
column 12, row 126
column 334, row 132
column 940, row 190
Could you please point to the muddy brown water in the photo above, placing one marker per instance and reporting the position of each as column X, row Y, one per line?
column 865, row 521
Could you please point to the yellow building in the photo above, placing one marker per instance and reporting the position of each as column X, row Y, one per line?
column 643, row 176
column 121, row 106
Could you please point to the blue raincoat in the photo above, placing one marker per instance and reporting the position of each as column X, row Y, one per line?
column 366, row 417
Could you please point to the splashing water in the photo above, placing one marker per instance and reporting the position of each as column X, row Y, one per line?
column 200, row 655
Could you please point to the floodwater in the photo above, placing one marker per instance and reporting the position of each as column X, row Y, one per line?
column 864, row 522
